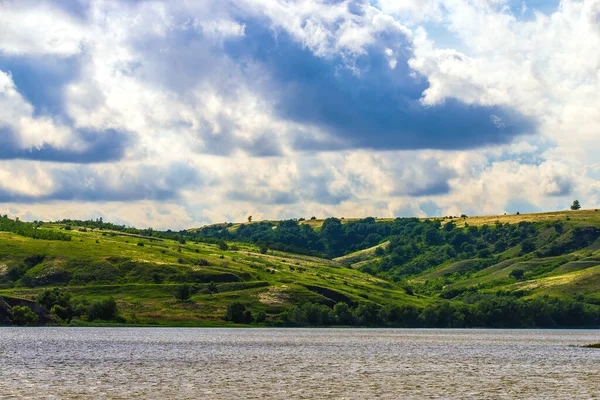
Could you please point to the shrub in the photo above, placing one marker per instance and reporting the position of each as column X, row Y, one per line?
column 23, row 316
column 103, row 309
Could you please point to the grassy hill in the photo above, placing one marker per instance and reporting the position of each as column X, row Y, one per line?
column 143, row 274
column 510, row 270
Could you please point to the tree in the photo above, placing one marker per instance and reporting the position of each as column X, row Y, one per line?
column 23, row 316
column 575, row 206
column 527, row 246
column 183, row 292
column 236, row 312
column 518, row 274
column 343, row 314
column 249, row 218
column 263, row 248
column 103, row 309
column 261, row 317
column 55, row 296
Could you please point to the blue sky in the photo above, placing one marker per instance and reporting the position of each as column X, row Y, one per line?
column 175, row 114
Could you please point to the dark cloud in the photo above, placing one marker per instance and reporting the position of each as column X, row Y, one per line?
column 275, row 197
column 318, row 189
column 225, row 142
column 431, row 208
column 521, row 206
column 432, row 189
column 377, row 108
column 421, row 178
column 99, row 146
column 41, row 80
column 560, row 186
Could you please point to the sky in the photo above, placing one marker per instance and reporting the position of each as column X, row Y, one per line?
column 180, row 113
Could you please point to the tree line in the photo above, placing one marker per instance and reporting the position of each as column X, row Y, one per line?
column 494, row 312
column 30, row 229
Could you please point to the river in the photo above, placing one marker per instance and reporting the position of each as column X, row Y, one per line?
column 176, row 363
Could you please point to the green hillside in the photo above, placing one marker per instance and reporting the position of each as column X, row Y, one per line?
column 143, row 275
column 533, row 270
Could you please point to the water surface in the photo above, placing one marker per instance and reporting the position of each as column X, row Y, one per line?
column 125, row 363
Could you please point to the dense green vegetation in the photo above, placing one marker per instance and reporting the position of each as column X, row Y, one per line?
column 494, row 312
column 521, row 271
column 30, row 229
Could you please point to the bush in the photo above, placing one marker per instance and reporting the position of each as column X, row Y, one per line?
column 103, row 309
column 23, row 316
column 51, row 297
column 61, row 312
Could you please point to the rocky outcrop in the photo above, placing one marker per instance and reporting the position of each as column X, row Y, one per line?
column 4, row 313
column 6, row 304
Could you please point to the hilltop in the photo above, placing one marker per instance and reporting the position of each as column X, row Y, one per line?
column 508, row 270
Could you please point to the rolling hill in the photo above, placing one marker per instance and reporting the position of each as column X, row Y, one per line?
column 468, row 271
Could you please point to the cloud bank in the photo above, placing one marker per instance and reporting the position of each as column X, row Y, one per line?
column 208, row 112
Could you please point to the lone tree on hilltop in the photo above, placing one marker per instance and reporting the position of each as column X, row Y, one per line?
column 250, row 218
column 575, row 206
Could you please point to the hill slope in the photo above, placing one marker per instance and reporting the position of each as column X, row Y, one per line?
column 143, row 274
column 518, row 271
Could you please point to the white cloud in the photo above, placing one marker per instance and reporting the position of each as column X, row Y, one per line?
column 28, row 27
column 138, row 75
column 31, row 132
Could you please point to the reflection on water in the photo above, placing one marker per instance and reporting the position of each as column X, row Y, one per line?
column 296, row 363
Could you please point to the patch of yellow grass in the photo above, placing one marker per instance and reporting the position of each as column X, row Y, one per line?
column 574, row 216
column 274, row 295
column 560, row 280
